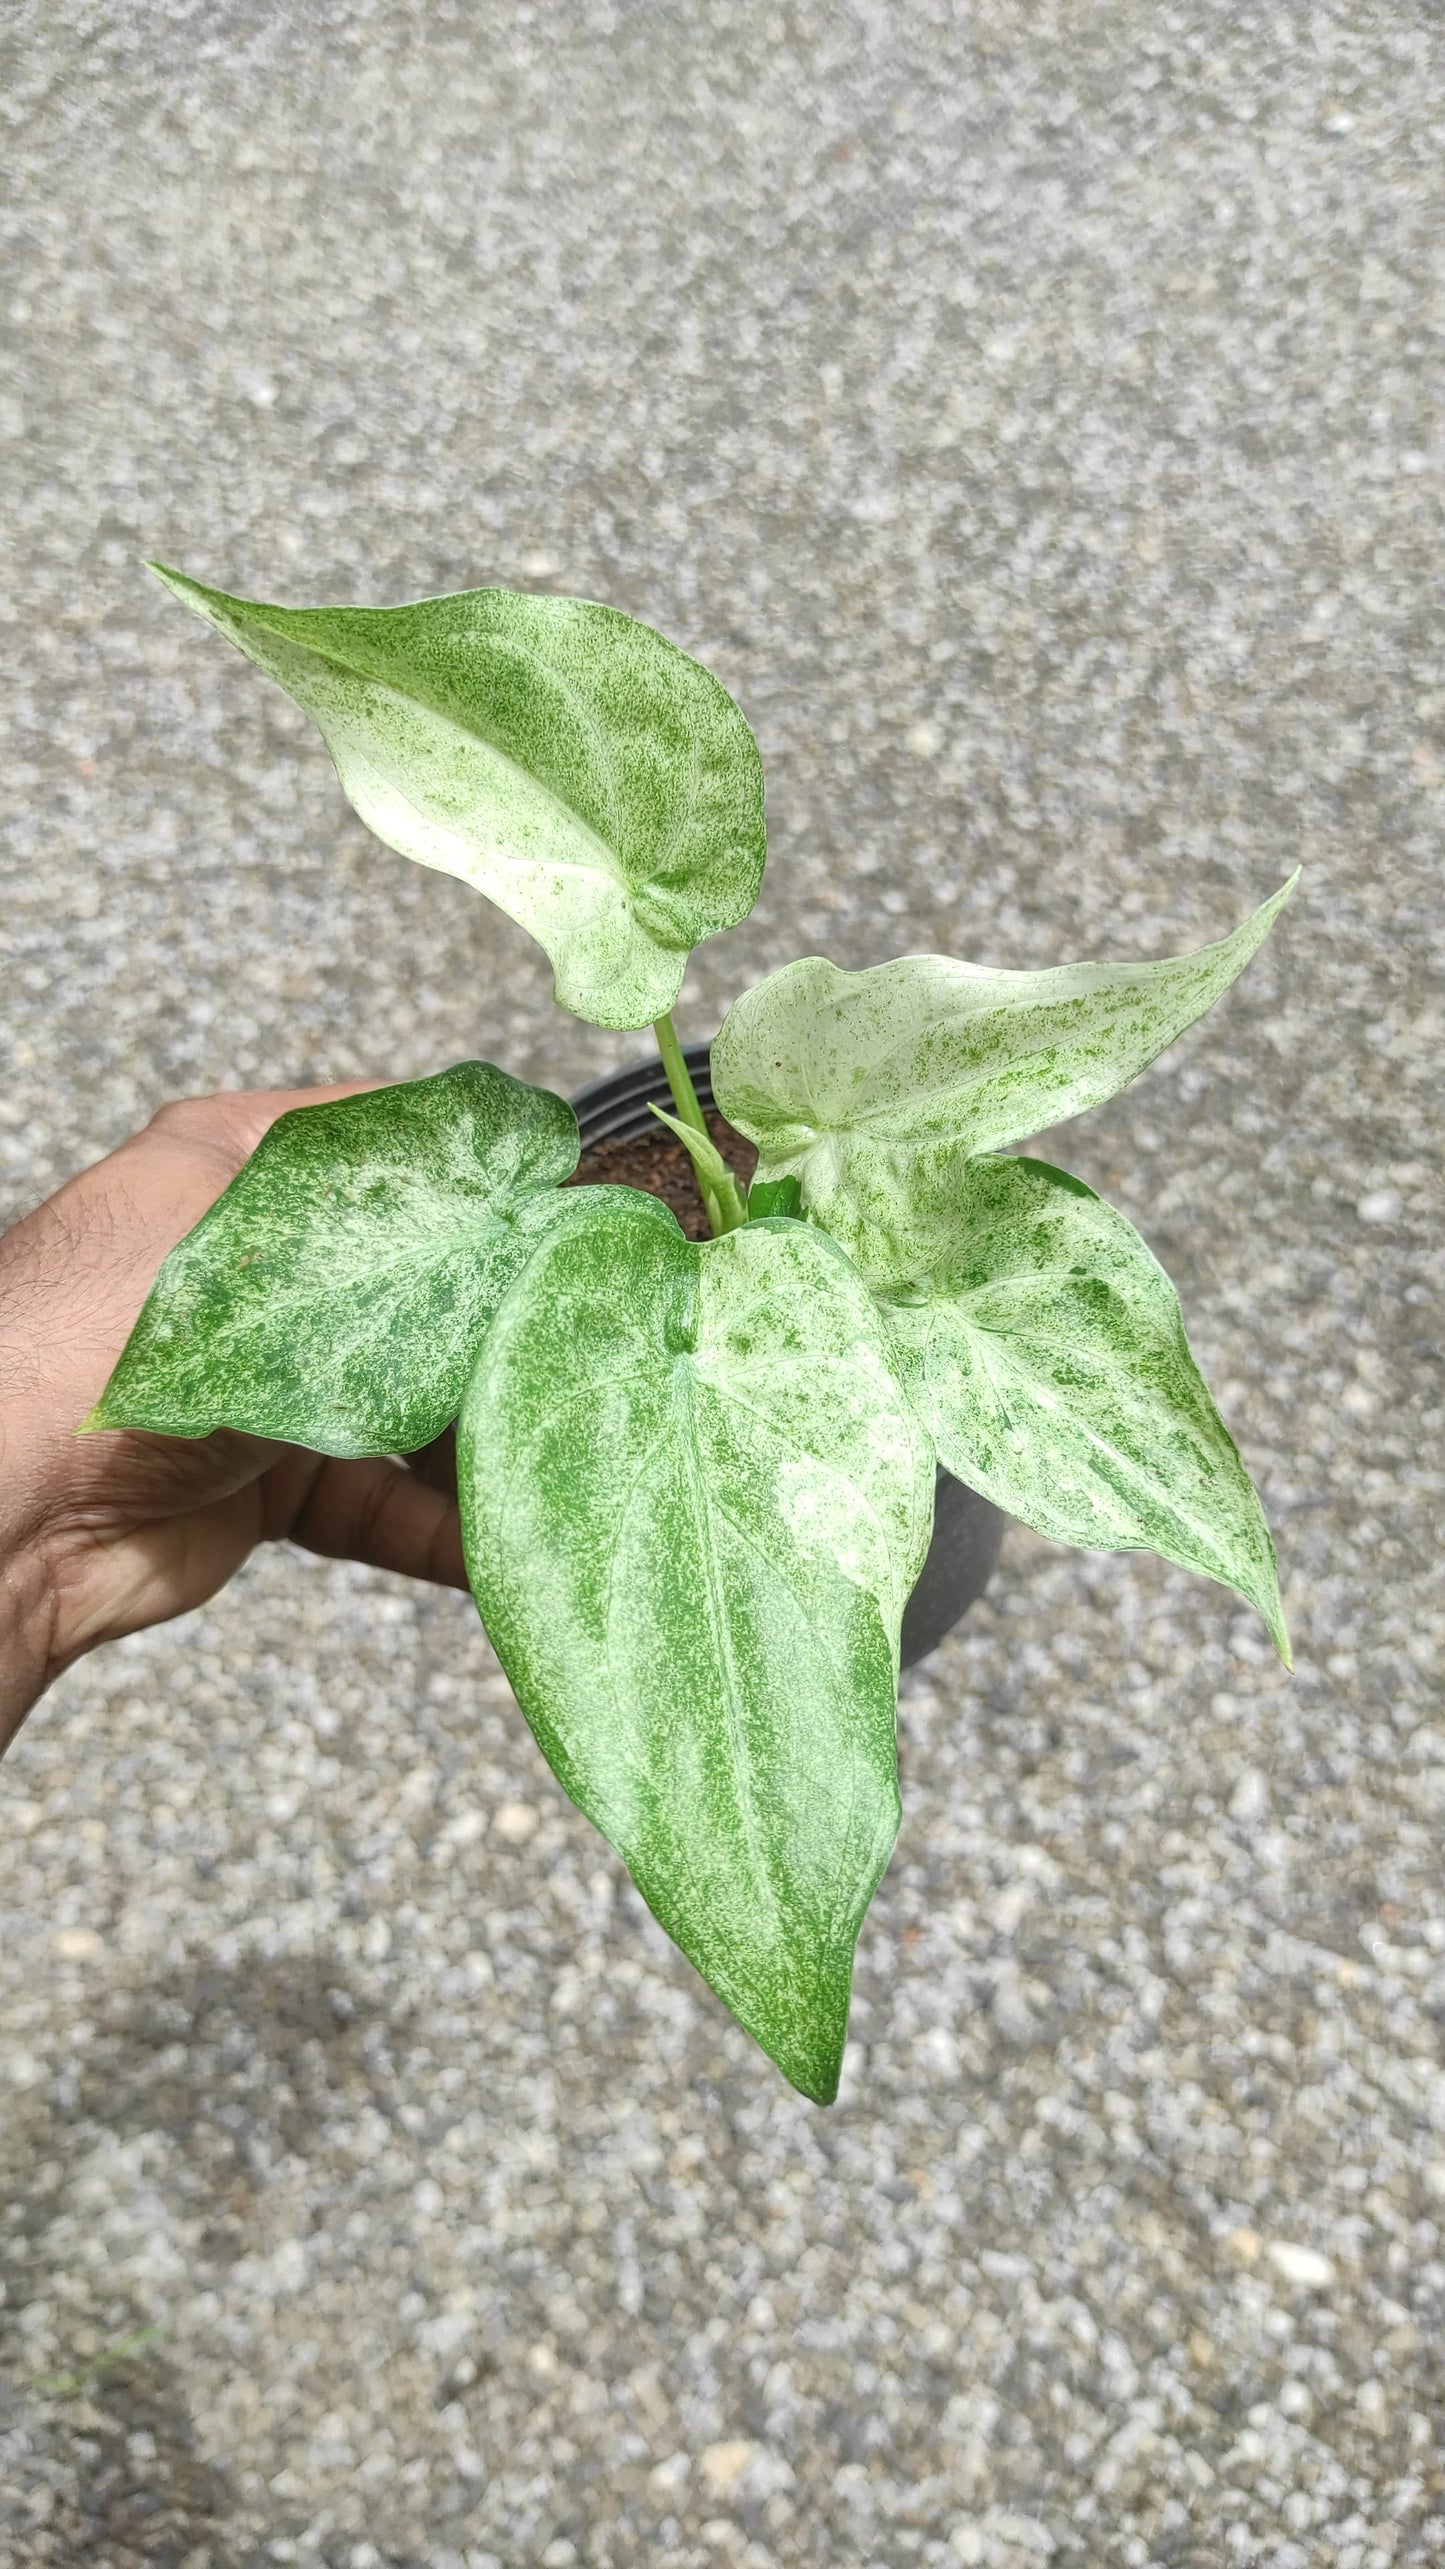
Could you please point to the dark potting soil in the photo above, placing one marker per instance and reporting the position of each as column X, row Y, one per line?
column 660, row 1166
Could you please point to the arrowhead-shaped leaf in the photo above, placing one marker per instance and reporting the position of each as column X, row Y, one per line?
column 845, row 1079
column 335, row 1295
column 590, row 778
column 1045, row 1349
column 694, row 1500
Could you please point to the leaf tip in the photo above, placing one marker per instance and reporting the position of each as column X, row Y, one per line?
column 810, row 2073
column 822, row 2090
column 1271, row 1606
column 191, row 592
column 809, row 2052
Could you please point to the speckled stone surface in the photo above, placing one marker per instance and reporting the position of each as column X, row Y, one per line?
column 1032, row 411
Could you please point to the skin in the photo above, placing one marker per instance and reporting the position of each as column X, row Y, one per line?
column 107, row 1533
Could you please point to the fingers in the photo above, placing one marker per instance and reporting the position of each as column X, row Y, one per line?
column 436, row 1464
column 377, row 1512
column 228, row 1125
column 74, row 1273
column 143, row 1573
column 172, row 1541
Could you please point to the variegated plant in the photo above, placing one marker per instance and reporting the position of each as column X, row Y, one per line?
column 696, row 1480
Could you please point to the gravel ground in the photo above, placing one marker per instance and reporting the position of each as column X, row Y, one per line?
column 1032, row 411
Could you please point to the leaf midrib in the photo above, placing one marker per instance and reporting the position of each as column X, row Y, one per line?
column 683, row 1401
column 281, row 1300
column 1008, row 999
column 867, row 1112
column 612, row 862
column 998, row 1360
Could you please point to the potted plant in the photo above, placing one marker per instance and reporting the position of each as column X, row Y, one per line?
column 697, row 1475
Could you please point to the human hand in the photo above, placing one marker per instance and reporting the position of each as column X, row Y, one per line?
column 104, row 1534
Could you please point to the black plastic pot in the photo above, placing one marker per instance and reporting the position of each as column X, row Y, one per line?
column 967, row 1528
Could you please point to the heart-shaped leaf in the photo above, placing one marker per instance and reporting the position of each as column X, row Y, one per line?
column 1045, row 1349
column 335, row 1295
column 584, row 773
column 844, row 1079
column 694, row 1500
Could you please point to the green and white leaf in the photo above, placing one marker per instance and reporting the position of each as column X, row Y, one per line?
column 694, row 1500
column 335, row 1295
column 1045, row 1349
column 847, row 1079
column 597, row 784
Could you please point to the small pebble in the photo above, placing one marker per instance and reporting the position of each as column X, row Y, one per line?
column 1303, row 2266
column 723, row 2465
column 515, row 1821
column 1250, row 1797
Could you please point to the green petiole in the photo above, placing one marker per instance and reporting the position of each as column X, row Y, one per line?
column 684, row 1097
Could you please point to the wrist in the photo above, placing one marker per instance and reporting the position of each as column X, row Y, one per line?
column 27, row 1618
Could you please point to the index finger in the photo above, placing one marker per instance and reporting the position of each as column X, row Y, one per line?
column 231, row 1121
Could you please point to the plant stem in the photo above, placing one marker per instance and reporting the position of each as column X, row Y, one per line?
column 679, row 1079
column 684, row 1098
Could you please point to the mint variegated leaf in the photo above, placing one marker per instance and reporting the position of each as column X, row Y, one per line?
column 597, row 784
column 1044, row 1347
column 848, row 1080
column 335, row 1295
column 694, row 1500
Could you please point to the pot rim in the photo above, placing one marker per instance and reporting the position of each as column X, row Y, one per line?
column 614, row 1107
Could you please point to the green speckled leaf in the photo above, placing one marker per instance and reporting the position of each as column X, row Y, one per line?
column 335, row 1295
column 846, row 1079
column 590, row 778
column 1045, row 1349
column 694, row 1500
